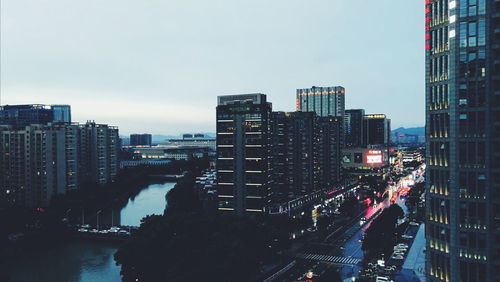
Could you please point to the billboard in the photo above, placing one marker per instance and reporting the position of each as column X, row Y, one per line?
column 374, row 157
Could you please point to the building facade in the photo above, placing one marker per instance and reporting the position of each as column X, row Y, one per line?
column 43, row 154
column 37, row 162
column 141, row 139
column 463, row 140
column 294, row 170
column 19, row 116
column 243, row 153
column 353, row 128
column 376, row 130
column 99, row 149
column 330, row 142
column 324, row 101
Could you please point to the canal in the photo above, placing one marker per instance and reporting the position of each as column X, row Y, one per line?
column 81, row 260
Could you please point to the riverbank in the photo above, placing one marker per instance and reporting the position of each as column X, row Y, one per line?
column 86, row 258
column 48, row 227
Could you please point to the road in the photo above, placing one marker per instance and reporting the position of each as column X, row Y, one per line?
column 342, row 250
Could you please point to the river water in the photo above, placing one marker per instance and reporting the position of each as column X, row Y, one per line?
column 81, row 260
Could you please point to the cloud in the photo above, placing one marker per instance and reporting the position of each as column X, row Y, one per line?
column 132, row 115
column 167, row 55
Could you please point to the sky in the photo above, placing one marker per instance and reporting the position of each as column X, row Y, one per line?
column 157, row 66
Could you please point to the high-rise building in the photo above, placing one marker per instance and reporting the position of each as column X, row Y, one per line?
column 293, row 154
column 330, row 142
column 36, row 163
column 324, row 101
column 243, row 153
column 353, row 128
column 20, row 116
column 463, row 140
column 99, row 149
column 376, row 130
column 141, row 139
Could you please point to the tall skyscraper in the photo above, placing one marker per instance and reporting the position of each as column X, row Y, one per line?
column 353, row 128
column 243, row 153
column 293, row 154
column 330, row 142
column 324, row 101
column 463, row 140
column 141, row 139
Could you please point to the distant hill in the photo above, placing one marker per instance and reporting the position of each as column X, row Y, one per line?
column 420, row 131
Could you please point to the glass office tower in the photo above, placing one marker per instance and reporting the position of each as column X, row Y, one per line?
column 463, row 140
column 324, row 101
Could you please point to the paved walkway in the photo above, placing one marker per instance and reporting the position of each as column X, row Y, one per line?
column 330, row 259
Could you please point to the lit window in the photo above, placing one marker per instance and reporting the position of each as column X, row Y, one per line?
column 452, row 33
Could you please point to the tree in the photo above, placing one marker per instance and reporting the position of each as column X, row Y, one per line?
column 380, row 237
column 190, row 247
column 349, row 206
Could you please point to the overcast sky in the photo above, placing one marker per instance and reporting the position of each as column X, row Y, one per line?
column 157, row 65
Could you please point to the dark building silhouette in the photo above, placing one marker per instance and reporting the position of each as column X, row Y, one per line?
column 330, row 142
column 293, row 154
column 353, row 128
column 141, row 139
column 376, row 130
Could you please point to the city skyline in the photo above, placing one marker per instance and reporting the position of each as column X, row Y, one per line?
column 177, row 83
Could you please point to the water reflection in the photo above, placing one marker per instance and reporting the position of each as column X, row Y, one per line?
column 150, row 200
column 89, row 260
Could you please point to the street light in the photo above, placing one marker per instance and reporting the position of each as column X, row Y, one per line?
column 98, row 218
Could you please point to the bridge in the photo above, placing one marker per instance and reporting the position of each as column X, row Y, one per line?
column 330, row 259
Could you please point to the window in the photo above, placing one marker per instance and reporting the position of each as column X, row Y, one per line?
column 481, row 33
column 482, row 7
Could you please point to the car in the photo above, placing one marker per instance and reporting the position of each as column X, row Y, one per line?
column 398, row 257
column 103, row 231
column 82, row 230
column 402, row 245
column 94, row 230
column 407, row 237
column 312, row 229
column 382, row 279
column 413, row 223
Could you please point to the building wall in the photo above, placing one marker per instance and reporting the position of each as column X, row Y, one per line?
column 242, row 153
column 329, row 150
column 462, row 90
column 99, row 147
column 324, row 101
column 37, row 163
column 353, row 127
column 292, row 154
column 141, row 139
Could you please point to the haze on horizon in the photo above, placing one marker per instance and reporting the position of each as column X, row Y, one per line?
column 157, row 66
